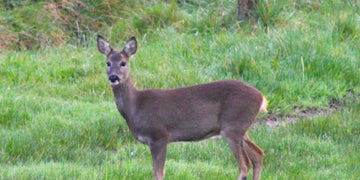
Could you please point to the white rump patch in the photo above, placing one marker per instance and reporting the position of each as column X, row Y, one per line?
column 264, row 105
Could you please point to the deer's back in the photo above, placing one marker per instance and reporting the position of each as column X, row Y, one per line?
column 215, row 91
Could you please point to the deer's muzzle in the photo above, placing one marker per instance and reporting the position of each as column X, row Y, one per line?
column 114, row 80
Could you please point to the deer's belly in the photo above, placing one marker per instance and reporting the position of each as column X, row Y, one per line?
column 193, row 134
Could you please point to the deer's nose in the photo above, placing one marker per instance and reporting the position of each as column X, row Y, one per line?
column 114, row 78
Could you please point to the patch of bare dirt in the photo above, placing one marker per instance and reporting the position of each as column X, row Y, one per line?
column 273, row 121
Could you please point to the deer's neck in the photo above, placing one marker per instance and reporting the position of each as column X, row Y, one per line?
column 125, row 97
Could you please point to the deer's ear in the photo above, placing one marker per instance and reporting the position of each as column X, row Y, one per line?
column 103, row 45
column 130, row 46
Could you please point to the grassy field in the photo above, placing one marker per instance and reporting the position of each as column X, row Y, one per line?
column 57, row 115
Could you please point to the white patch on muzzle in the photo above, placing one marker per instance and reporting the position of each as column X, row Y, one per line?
column 114, row 83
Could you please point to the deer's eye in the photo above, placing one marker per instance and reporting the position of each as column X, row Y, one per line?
column 123, row 64
column 108, row 64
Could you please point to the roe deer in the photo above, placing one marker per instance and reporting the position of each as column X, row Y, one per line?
column 157, row 117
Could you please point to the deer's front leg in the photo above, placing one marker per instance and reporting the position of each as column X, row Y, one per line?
column 158, row 153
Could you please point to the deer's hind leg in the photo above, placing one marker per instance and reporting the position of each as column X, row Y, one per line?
column 235, row 121
column 237, row 147
column 256, row 155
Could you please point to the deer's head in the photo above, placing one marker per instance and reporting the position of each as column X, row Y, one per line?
column 117, row 62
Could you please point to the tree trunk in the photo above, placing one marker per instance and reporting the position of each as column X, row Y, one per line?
column 246, row 8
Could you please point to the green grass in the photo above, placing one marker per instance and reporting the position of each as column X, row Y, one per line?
column 57, row 115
